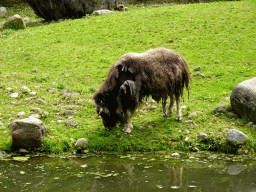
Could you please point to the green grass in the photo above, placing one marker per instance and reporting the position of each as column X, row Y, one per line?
column 76, row 54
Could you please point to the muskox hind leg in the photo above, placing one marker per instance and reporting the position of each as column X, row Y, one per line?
column 178, row 112
column 128, row 127
column 170, row 109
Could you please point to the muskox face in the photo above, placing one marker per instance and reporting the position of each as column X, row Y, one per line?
column 107, row 111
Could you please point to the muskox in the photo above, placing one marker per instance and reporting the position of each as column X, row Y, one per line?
column 160, row 73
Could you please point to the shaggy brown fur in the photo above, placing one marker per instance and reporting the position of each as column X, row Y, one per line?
column 159, row 72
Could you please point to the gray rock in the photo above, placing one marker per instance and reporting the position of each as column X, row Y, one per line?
column 3, row 12
column 221, row 109
column 25, row 89
column 243, row 99
column 68, row 112
column 189, row 122
column 36, row 110
column 35, row 116
column 51, row 90
column 235, row 169
column 40, row 101
column 101, row 12
column 14, row 22
column 203, row 135
column 26, row 19
column 14, row 95
column 32, row 93
column 27, row 133
column 236, row 136
column 232, row 115
column 81, row 143
column 197, row 68
column 248, row 125
column 71, row 123
column 199, row 75
column 23, row 151
column 20, row 114
column 176, row 155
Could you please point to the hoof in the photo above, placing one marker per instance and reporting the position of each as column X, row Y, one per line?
column 178, row 118
column 127, row 130
column 165, row 115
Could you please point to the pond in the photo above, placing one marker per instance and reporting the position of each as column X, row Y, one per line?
column 132, row 172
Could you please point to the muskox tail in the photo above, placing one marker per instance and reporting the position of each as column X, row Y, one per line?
column 186, row 76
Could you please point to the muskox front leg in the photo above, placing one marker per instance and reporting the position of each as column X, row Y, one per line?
column 128, row 116
column 178, row 112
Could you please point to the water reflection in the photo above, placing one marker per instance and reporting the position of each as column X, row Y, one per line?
column 127, row 173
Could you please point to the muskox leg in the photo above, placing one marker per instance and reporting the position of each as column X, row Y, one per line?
column 164, row 105
column 128, row 128
column 178, row 112
column 170, row 109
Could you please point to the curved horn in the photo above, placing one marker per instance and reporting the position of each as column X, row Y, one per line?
column 101, row 110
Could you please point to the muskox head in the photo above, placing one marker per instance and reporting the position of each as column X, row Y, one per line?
column 106, row 108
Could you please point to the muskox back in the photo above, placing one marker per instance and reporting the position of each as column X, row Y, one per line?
column 160, row 73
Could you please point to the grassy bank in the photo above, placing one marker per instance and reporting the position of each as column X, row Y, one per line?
column 76, row 54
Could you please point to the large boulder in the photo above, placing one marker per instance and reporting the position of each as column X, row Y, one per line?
column 237, row 137
column 27, row 133
column 243, row 99
column 65, row 9
column 3, row 12
column 14, row 22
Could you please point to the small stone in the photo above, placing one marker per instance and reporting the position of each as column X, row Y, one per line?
column 40, row 101
column 193, row 114
column 32, row 93
column 226, row 129
column 26, row 19
column 3, row 12
column 248, row 125
column 203, row 135
column 176, row 155
column 141, row 127
column 36, row 109
column 14, row 74
column 186, row 139
column 25, row 89
column 81, row 143
column 37, row 116
column 195, row 149
column 221, row 109
column 68, row 112
column 199, row 75
column 101, row 12
column 23, row 151
column 236, row 136
column 14, row 95
column 232, row 115
column 28, row 98
column 51, row 90
column 8, row 89
column 171, row 40
column 189, row 122
column 71, row 123
column 197, row 68
column 59, row 121
column 20, row 114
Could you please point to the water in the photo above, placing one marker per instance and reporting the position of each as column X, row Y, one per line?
column 129, row 173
